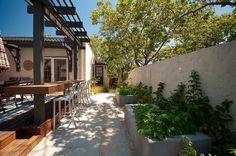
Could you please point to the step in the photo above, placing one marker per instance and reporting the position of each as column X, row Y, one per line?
column 6, row 137
column 21, row 147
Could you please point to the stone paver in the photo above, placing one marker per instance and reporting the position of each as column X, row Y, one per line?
column 98, row 132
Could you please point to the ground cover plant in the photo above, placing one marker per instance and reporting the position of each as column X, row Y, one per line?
column 186, row 111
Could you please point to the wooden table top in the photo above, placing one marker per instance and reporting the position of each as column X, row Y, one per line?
column 46, row 88
column 34, row 89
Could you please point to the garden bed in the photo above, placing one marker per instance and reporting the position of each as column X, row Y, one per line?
column 168, row 147
column 125, row 99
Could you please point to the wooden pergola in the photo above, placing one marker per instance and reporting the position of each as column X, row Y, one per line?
column 62, row 15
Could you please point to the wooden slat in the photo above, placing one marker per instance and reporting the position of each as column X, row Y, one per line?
column 34, row 140
column 21, row 147
column 14, row 148
column 6, row 137
column 60, row 10
column 84, row 39
column 77, row 33
column 69, row 24
column 34, row 89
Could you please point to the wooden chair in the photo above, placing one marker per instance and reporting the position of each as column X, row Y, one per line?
column 7, row 98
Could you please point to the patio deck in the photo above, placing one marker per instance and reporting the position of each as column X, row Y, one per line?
column 12, row 111
column 99, row 131
column 24, row 112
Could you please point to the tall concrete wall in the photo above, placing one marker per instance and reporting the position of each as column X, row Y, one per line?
column 216, row 66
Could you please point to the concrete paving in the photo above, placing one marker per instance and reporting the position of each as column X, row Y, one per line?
column 99, row 131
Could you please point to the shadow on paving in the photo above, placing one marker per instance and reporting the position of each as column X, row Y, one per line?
column 98, row 131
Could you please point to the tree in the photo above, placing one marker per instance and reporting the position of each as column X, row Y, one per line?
column 141, row 32
column 115, row 56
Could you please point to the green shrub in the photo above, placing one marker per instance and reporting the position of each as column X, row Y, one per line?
column 187, row 148
column 105, row 88
column 159, row 98
column 97, row 89
column 160, row 123
column 187, row 110
column 124, row 89
column 143, row 93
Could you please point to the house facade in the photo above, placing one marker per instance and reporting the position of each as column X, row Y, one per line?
column 57, row 59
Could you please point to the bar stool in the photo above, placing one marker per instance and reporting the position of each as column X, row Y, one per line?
column 54, row 111
column 68, row 102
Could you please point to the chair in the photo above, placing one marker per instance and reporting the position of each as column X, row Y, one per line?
column 4, row 99
column 69, row 104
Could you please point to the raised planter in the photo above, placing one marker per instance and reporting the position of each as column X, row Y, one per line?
column 125, row 99
column 168, row 147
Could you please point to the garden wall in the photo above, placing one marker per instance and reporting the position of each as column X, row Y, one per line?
column 216, row 66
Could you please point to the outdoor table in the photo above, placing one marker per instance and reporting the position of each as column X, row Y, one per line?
column 34, row 89
column 39, row 92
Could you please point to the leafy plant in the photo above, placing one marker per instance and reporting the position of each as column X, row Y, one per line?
column 160, row 123
column 144, row 93
column 197, row 103
column 187, row 110
column 177, row 98
column 124, row 89
column 97, row 89
column 105, row 88
column 187, row 148
column 232, row 151
column 159, row 98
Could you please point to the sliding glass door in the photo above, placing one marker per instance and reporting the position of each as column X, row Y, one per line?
column 55, row 69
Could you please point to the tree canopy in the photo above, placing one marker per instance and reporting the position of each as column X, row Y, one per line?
column 137, row 32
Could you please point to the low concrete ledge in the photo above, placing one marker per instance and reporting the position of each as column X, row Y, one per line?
column 125, row 99
column 168, row 147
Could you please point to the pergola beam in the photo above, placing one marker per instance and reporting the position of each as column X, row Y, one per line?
column 69, row 24
column 77, row 33
column 86, row 40
column 58, row 22
column 60, row 10
column 69, row 42
column 66, row 10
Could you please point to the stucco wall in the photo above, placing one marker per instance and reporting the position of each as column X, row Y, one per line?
column 27, row 54
column 89, row 58
column 81, row 64
column 216, row 66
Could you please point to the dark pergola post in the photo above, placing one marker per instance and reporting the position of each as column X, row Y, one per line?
column 38, row 32
column 74, row 60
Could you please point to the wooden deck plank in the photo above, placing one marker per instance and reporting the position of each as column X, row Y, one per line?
column 14, row 148
column 21, row 147
column 6, row 137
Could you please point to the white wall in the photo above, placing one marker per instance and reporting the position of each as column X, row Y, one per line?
column 89, row 61
column 216, row 66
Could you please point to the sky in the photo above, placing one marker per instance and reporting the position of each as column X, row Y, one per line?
column 15, row 21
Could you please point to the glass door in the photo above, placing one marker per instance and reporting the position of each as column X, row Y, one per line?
column 55, row 69
column 60, row 70
column 47, row 70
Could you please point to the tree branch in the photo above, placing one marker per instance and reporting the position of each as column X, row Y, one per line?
column 162, row 44
column 208, row 4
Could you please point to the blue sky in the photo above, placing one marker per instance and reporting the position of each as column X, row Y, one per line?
column 15, row 21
